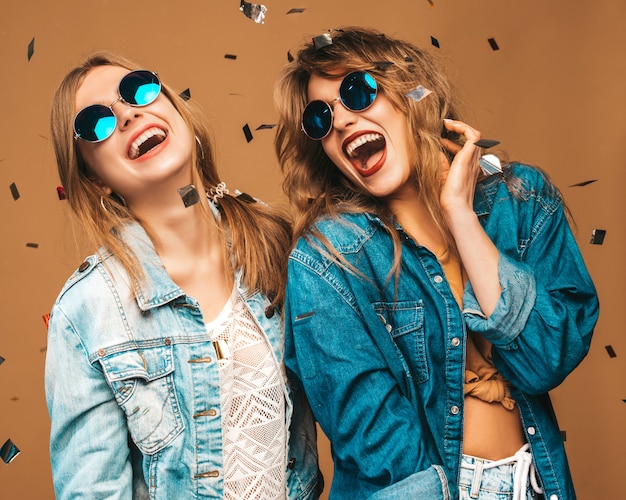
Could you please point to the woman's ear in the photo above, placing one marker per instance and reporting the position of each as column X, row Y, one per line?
column 106, row 190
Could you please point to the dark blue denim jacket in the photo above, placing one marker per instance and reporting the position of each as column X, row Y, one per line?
column 382, row 361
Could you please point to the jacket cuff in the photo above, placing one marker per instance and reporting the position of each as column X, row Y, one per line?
column 516, row 302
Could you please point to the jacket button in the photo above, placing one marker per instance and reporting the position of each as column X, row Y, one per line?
column 167, row 341
column 454, row 410
column 83, row 267
column 291, row 464
column 456, row 341
column 531, row 431
column 269, row 312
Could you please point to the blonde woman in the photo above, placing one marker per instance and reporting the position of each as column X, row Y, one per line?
column 164, row 372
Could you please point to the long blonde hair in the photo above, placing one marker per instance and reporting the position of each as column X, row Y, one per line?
column 258, row 236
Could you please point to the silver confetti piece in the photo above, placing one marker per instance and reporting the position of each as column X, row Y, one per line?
column 418, row 93
column 254, row 11
column 9, row 451
column 490, row 164
column 189, row 194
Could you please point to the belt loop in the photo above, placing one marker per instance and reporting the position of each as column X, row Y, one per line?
column 477, row 478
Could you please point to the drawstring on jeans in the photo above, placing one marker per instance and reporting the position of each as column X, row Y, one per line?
column 523, row 471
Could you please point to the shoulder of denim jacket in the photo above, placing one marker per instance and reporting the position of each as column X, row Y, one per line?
column 84, row 270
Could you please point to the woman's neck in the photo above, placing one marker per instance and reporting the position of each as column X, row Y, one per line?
column 418, row 222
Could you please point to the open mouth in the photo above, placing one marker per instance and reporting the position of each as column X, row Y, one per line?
column 366, row 152
column 146, row 141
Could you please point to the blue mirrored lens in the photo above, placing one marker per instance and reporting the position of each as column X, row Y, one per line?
column 358, row 91
column 317, row 119
column 140, row 88
column 94, row 123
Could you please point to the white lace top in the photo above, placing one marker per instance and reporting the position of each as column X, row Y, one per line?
column 253, row 406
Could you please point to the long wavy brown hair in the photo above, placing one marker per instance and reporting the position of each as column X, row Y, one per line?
column 313, row 184
column 255, row 236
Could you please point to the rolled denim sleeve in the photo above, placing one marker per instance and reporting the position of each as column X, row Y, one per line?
column 516, row 303
column 88, row 437
column 542, row 326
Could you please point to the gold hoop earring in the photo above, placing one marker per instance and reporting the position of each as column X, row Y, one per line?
column 201, row 148
column 102, row 204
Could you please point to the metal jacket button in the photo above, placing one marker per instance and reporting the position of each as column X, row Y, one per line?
column 83, row 267
column 269, row 312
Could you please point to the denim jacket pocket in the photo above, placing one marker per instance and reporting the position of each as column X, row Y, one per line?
column 404, row 321
column 142, row 381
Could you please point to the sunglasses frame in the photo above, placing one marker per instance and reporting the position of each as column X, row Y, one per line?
column 329, row 106
column 119, row 99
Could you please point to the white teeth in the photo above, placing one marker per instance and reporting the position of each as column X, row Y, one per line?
column 151, row 132
column 359, row 141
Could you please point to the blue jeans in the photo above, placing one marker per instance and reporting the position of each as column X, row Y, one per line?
column 511, row 478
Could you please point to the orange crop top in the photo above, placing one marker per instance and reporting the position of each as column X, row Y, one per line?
column 482, row 378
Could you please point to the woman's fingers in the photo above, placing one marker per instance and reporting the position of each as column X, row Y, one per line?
column 460, row 179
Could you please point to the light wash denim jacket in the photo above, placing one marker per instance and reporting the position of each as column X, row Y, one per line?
column 117, row 365
column 382, row 361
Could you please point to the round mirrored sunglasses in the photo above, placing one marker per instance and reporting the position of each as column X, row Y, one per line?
column 96, row 123
column 357, row 92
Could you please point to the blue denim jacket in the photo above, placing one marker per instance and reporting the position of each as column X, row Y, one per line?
column 382, row 361
column 145, row 367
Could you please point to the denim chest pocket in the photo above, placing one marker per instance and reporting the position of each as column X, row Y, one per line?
column 143, row 383
column 405, row 323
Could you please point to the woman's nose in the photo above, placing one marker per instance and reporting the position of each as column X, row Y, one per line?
column 125, row 113
column 343, row 117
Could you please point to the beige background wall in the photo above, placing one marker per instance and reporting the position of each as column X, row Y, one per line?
column 553, row 94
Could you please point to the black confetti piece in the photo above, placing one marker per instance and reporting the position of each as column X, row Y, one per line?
column 295, row 11
column 597, row 236
column 487, row 143
column 610, row 351
column 1, row 360
column 247, row 132
column 230, row 56
column 289, row 57
column 246, row 197
column 493, row 44
column 564, row 436
column 185, row 94
column 31, row 48
column 435, row 42
column 32, row 245
column 14, row 191
column 584, row 183
column 265, row 126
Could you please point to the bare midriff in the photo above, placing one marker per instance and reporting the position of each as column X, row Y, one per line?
column 490, row 430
